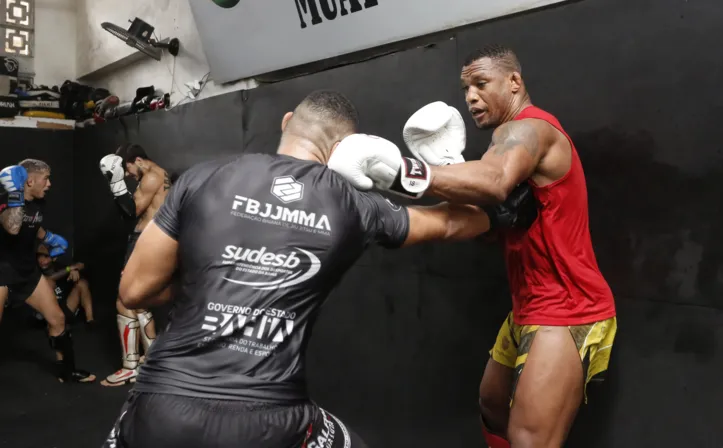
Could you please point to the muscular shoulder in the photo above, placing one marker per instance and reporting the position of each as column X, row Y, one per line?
column 535, row 135
column 150, row 181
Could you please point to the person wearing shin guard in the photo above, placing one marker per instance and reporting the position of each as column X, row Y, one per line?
column 20, row 276
column 153, row 185
column 71, row 289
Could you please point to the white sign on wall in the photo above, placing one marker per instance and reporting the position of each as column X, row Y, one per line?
column 244, row 38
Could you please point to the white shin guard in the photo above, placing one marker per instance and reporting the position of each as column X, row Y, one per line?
column 145, row 318
column 128, row 328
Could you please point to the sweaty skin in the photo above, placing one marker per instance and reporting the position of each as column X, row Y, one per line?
column 154, row 184
column 550, row 391
column 150, row 194
column 520, row 150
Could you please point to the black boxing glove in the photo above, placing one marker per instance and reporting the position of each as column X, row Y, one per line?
column 519, row 210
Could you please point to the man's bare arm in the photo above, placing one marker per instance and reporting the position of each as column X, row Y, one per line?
column 445, row 222
column 516, row 149
column 65, row 272
column 149, row 269
column 147, row 189
column 12, row 219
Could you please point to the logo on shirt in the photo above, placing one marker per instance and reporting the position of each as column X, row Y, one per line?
column 247, row 208
column 31, row 220
column 245, row 329
column 265, row 270
column 287, row 189
column 392, row 205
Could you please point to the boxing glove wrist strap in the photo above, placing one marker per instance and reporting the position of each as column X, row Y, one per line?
column 118, row 188
column 126, row 204
column 16, row 199
column 412, row 179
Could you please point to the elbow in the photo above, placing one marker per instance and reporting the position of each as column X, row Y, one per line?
column 502, row 190
column 498, row 193
column 130, row 297
column 496, row 190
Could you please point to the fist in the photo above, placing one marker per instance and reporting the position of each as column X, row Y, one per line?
column 112, row 167
column 368, row 161
column 58, row 245
column 436, row 134
column 13, row 178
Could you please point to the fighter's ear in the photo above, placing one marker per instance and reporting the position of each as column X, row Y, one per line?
column 516, row 81
column 285, row 120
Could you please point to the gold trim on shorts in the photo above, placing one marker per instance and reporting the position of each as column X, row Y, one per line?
column 594, row 343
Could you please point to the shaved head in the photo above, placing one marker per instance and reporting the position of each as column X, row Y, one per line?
column 324, row 117
column 501, row 57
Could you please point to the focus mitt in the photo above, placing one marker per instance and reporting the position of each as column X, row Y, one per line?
column 519, row 210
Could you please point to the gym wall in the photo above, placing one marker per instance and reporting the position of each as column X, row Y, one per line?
column 55, row 147
column 400, row 347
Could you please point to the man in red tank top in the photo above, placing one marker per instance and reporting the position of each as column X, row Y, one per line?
column 560, row 332
column 560, row 300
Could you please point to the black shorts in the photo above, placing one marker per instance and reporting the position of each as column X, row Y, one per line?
column 172, row 421
column 63, row 287
column 20, row 291
column 132, row 239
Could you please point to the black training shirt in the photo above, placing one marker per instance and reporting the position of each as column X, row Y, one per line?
column 17, row 252
column 262, row 241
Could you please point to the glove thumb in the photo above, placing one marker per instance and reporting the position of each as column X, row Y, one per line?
column 362, row 182
column 345, row 161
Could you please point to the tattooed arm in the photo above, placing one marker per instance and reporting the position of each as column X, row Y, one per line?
column 513, row 156
column 12, row 219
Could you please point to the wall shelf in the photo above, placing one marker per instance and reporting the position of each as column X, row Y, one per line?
column 37, row 123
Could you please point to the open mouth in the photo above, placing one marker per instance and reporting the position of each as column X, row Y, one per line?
column 477, row 113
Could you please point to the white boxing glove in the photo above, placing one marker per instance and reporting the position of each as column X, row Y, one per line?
column 368, row 161
column 112, row 168
column 436, row 134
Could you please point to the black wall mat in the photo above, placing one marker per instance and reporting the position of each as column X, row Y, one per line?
column 400, row 347
column 55, row 147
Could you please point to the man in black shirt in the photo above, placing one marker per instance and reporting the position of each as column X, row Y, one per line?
column 259, row 241
column 20, row 277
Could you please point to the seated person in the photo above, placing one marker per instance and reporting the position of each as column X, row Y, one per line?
column 71, row 291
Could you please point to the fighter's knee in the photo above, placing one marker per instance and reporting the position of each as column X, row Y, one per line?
column 122, row 309
column 83, row 284
column 530, row 436
column 56, row 319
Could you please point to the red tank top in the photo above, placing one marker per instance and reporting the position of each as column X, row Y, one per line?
column 553, row 273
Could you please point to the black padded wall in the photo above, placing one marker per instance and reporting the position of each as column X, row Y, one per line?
column 399, row 349
column 55, row 147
